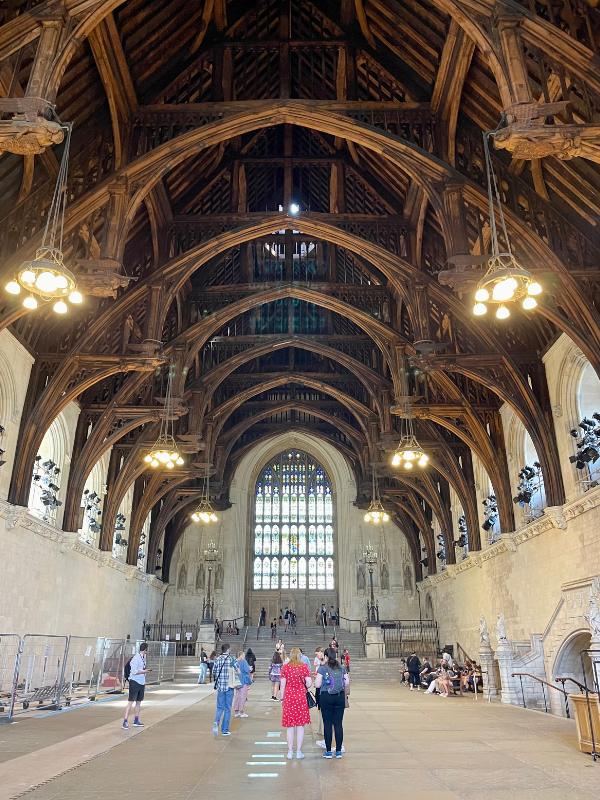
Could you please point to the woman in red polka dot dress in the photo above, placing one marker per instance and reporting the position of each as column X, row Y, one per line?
column 295, row 680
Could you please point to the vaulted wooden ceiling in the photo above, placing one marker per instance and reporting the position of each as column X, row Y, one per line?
column 196, row 125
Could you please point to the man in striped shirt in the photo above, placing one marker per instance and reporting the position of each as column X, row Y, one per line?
column 223, row 664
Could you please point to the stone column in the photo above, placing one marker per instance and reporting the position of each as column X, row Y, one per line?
column 488, row 668
column 510, row 690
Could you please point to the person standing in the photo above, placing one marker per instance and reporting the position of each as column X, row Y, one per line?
column 295, row 680
column 413, row 665
column 241, row 694
column 275, row 674
column 137, row 685
column 251, row 659
column 203, row 666
column 274, row 629
column 346, row 659
column 222, row 666
column 331, row 680
column 323, row 615
column 263, row 617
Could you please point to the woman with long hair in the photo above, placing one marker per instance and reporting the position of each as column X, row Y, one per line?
column 251, row 659
column 295, row 680
column 331, row 680
column 275, row 674
column 241, row 694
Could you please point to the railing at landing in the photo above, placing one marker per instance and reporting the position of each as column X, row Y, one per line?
column 543, row 683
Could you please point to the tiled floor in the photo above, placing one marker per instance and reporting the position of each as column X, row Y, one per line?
column 399, row 745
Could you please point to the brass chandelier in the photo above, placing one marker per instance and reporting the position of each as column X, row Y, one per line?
column 409, row 452
column 505, row 280
column 45, row 277
column 164, row 451
column 204, row 512
column 376, row 514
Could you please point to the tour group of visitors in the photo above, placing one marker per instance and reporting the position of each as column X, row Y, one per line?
column 291, row 679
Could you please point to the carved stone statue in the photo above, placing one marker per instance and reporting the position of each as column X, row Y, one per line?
column 200, row 578
column 501, row 628
column 593, row 615
column 484, row 634
column 219, row 576
column 360, row 578
column 385, row 577
column 25, row 137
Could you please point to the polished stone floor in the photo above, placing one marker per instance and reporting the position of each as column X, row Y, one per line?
column 400, row 744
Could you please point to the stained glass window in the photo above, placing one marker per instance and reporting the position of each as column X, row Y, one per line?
column 294, row 521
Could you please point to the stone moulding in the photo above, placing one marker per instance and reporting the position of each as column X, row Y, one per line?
column 20, row 517
column 554, row 518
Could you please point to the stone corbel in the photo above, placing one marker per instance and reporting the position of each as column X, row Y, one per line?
column 557, row 516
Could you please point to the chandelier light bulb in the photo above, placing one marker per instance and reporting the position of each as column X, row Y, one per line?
column 30, row 302
column 12, row 287
column 367, row 517
column 61, row 282
column 205, row 517
column 170, row 465
column 60, row 307
column 503, row 291
column 28, row 277
column 396, row 460
column 75, row 297
column 174, row 456
column 534, row 289
column 529, row 303
column 482, row 295
column 408, row 465
column 502, row 312
column 386, row 517
column 154, row 463
column 213, row 517
column 46, row 282
column 422, row 462
column 479, row 309
column 179, row 461
column 512, row 283
column 148, row 459
column 195, row 517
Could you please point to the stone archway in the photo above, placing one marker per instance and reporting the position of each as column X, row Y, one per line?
column 568, row 664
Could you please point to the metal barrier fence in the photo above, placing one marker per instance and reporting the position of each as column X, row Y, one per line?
column 405, row 635
column 48, row 672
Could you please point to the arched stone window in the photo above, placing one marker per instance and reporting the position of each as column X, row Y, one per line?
column 293, row 525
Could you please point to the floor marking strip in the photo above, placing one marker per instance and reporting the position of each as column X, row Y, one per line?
column 284, row 744
column 268, row 763
column 273, row 733
column 266, row 755
column 263, row 774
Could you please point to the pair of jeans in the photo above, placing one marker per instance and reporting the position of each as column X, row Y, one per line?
column 202, row 673
column 224, row 701
column 332, row 710
column 241, row 695
column 413, row 679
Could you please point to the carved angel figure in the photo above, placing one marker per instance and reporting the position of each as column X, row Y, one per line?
column 29, row 137
column 593, row 615
column 501, row 628
column 484, row 634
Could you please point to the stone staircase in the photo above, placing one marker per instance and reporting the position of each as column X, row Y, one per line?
column 307, row 637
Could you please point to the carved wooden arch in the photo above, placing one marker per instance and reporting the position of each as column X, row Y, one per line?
column 407, row 520
column 368, row 377
column 169, row 510
column 221, row 413
column 196, row 336
column 405, row 524
column 412, row 507
column 230, row 437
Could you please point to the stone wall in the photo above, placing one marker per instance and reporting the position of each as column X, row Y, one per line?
column 53, row 583
column 530, row 576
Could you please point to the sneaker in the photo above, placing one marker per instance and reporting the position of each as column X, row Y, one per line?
column 243, row 716
column 274, row 698
column 299, row 755
column 327, row 754
column 320, row 743
column 125, row 725
column 237, row 715
column 290, row 754
column 215, row 729
column 338, row 753
column 225, row 733
column 138, row 723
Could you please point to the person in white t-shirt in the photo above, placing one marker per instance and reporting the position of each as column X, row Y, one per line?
column 137, row 685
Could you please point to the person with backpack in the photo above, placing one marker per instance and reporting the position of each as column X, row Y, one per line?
column 135, row 672
column 251, row 659
column 413, row 665
column 331, row 681
column 223, row 670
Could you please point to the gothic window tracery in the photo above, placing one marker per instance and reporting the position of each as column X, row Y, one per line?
column 293, row 530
